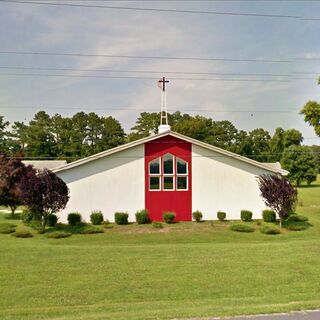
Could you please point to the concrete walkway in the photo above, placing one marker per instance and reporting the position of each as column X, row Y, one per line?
column 303, row 315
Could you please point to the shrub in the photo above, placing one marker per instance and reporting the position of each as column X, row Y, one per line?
column 96, row 217
column 74, row 218
column 269, row 216
column 246, row 215
column 58, row 235
column 27, row 216
column 241, row 227
column 221, row 215
column 22, row 234
column 297, row 227
column 197, row 215
column 121, row 218
column 142, row 216
column 296, row 218
column 157, row 224
column 168, row 217
column 7, row 228
column 91, row 230
column 52, row 220
column 270, row 230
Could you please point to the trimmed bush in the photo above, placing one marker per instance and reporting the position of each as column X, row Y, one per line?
column 157, row 224
column 269, row 230
column 168, row 217
column 6, row 228
column 241, row 227
column 121, row 218
column 58, row 235
column 197, row 215
column 74, row 218
column 269, row 216
column 52, row 220
column 142, row 216
column 246, row 215
column 22, row 234
column 96, row 217
column 297, row 227
column 221, row 215
column 91, row 230
column 296, row 218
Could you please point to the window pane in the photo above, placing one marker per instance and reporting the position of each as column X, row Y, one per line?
column 168, row 183
column 181, row 166
column 168, row 164
column 154, row 183
column 182, row 183
column 154, row 166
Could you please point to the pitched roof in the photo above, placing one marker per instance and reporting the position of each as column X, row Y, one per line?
column 45, row 164
column 268, row 167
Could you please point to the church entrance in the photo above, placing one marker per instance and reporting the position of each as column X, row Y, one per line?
column 168, row 178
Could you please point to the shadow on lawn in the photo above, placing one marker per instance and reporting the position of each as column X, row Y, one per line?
column 81, row 228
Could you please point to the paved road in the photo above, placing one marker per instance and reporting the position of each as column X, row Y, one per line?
column 306, row 315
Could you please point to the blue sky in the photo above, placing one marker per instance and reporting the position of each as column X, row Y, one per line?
column 38, row 28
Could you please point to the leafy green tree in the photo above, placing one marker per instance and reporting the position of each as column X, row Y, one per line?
column 301, row 164
column 316, row 152
column 311, row 112
column 4, row 136
column 40, row 139
column 259, row 140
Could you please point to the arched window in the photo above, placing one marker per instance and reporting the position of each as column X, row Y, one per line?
column 168, row 173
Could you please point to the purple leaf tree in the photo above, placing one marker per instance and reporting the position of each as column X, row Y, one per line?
column 44, row 193
column 278, row 194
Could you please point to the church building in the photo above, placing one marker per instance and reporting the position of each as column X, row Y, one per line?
column 165, row 172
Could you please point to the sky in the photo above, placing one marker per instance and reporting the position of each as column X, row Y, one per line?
column 257, row 94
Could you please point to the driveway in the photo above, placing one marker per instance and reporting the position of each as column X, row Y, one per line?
column 304, row 315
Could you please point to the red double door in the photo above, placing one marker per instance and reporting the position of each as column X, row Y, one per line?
column 168, row 178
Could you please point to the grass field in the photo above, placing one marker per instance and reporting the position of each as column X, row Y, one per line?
column 184, row 270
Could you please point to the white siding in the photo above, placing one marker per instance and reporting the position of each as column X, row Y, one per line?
column 221, row 183
column 110, row 184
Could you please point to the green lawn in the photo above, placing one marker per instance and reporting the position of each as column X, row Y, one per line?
column 184, row 270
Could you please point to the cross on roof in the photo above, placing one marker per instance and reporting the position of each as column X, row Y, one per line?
column 162, row 83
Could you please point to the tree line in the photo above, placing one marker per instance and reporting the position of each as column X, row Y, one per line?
column 84, row 134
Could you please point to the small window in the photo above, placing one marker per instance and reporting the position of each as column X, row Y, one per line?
column 168, row 183
column 182, row 183
column 182, row 166
column 154, row 183
column 168, row 164
column 154, row 166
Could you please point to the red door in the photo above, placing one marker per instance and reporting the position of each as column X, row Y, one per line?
column 168, row 178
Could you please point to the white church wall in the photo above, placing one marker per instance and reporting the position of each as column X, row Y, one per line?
column 110, row 184
column 222, row 183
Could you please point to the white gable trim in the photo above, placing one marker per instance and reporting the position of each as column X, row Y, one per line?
column 176, row 135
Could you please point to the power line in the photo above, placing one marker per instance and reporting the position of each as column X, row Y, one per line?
column 260, row 15
column 151, row 110
column 135, row 78
column 145, row 71
column 142, row 57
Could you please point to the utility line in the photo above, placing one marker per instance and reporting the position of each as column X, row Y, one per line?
column 150, row 110
column 136, row 78
column 142, row 57
column 260, row 15
column 146, row 71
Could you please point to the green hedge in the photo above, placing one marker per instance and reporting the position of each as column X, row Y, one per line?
column 246, row 215
column 142, row 216
column 96, row 217
column 168, row 217
column 121, row 218
column 221, row 215
column 241, row 227
column 197, row 215
column 269, row 216
column 269, row 230
column 74, row 218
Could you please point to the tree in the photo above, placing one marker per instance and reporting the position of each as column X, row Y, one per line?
column 301, row 164
column 278, row 194
column 311, row 112
column 44, row 193
column 12, row 172
column 5, row 140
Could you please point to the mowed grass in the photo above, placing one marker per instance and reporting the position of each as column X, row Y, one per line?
column 184, row 270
